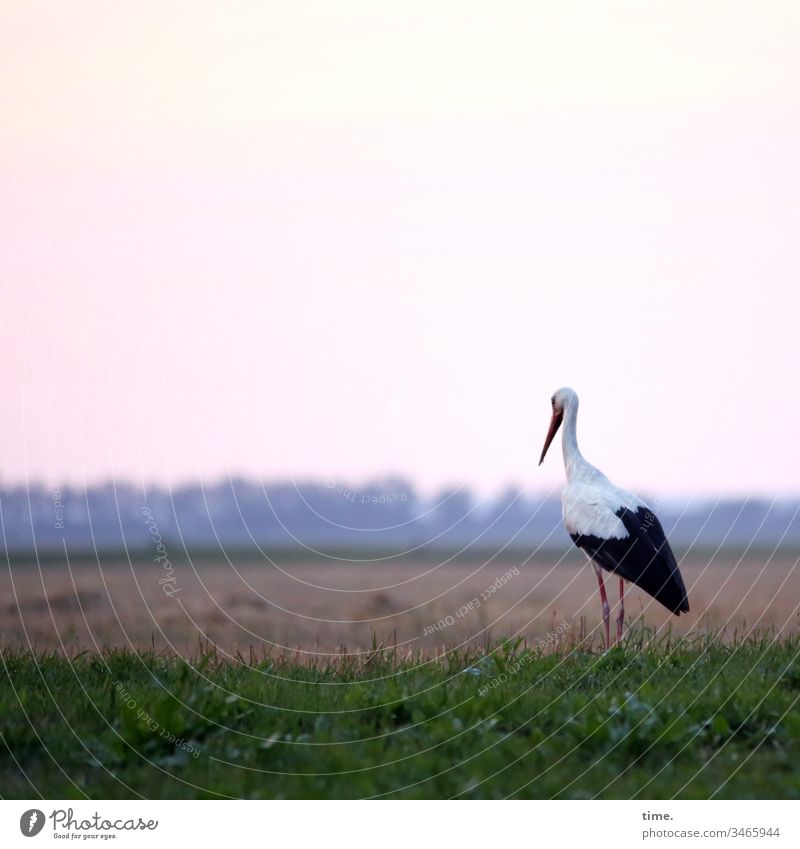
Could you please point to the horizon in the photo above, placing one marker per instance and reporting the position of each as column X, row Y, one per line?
column 373, row 482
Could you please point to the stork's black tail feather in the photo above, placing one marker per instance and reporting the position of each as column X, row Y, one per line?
column 643, row 557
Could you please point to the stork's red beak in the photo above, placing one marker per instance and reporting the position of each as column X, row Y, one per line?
column 555, row 424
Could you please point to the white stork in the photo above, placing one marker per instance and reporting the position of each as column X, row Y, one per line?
column 616, row 530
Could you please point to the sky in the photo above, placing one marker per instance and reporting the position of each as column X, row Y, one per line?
column 343, row 240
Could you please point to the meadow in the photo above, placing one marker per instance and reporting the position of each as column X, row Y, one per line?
column 344, row 680
column 692, row 719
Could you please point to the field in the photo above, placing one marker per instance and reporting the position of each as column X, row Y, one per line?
column 251, row 682
column 317, row 606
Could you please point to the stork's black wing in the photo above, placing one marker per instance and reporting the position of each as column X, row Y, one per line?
column 643, row 557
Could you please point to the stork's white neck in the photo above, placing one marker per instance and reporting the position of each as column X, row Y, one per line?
column 575, row 464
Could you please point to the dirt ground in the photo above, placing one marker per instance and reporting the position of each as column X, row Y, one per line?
column 320, row 605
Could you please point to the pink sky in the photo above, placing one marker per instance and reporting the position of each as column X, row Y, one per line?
column 355, row 238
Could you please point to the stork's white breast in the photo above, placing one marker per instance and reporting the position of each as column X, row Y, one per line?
column 591, row 508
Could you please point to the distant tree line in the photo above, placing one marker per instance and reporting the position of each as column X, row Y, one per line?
column 387, row 514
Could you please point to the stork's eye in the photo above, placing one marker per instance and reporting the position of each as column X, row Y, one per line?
column 553, row 400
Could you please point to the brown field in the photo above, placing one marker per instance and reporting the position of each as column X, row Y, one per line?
column 321, row 606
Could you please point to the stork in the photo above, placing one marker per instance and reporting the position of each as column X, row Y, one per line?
column 616, row 530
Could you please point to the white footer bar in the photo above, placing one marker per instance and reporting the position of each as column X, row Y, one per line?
column 402, row 824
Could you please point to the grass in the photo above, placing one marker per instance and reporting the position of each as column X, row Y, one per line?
column 656, row 718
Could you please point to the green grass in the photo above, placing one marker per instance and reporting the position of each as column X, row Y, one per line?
column 695, row 718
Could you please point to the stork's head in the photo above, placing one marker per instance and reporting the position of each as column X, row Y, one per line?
column 561, row 400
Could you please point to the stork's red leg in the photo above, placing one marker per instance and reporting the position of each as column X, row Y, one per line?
column 621, row 611
column 604, row 599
